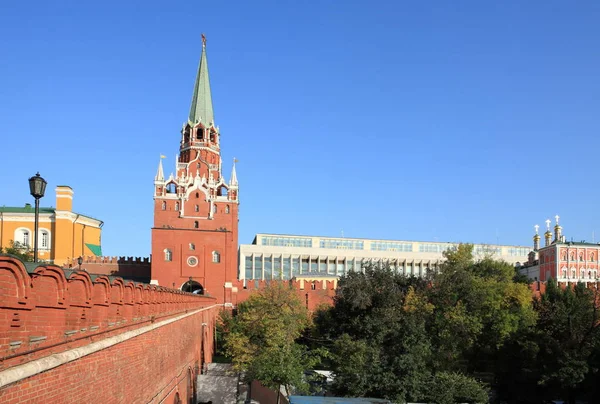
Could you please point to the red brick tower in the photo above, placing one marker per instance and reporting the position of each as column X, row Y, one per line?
column 195, row 233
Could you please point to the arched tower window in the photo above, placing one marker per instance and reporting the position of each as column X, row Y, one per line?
column 168, row 255
column 200, row 134
column 171, row 188
column 215, row 208
column 195, row 224
column 177, row 206
column 227, row 209
column 196, row 208
column 192, row 246
column 216, row 257
column 164, row 205
column 212, row 136
column 197, row 194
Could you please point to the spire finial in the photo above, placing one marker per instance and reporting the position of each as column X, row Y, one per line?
column 203, row 41
column 548, row 221
column 557, row 217
column 537, row 228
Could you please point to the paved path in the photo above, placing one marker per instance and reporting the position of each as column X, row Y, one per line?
column 218, row 385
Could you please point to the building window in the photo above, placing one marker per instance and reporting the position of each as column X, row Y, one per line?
column 164, row 205
column 192, row 246
column 216, row 257
column 25, row 238
column 196, row 208
column 44, row 240
column 195, row 224
column 215, row 208
column 177, row 206
column 227, row 209
column 197, row 194
column 168, row 255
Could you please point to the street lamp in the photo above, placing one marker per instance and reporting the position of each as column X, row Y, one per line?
column 37, row 187
column 79, row 262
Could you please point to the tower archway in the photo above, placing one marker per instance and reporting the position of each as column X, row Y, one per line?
column 192, row 287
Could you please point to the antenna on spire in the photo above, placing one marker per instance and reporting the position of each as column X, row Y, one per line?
column 203, row 40
column 537, row 228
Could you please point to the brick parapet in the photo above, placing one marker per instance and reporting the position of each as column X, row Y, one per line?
column 51, row 310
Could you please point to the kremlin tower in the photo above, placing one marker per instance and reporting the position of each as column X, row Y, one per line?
column 195, row 232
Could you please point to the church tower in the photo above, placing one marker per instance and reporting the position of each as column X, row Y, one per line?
column 195, row 233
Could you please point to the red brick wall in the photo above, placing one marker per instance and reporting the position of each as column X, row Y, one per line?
column 127, row 267
column 51, row 314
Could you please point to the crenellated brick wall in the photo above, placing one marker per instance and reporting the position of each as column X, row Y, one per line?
column 71, row 337
column 313, row 293
column 135, row 268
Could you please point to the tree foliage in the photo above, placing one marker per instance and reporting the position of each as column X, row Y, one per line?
column 16, row 249
column 261, row 338
column 413, row 339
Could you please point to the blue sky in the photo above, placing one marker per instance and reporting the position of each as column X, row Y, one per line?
column 452, row 121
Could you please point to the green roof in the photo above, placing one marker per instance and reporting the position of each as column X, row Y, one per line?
column 24, row 209
column 95, row 249
column 202, row 108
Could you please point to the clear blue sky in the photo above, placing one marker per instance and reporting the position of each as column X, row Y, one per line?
column 452, row 121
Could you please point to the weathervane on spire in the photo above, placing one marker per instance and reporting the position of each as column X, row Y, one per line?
column 203, row 40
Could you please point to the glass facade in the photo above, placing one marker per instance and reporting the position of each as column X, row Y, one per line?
column 518, row 251
column 287, row 241
column 484, row 249
column 344, row 244
column 391, row 246
column 435, row 247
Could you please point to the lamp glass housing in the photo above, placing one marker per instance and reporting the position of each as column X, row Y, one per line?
column 37, row 186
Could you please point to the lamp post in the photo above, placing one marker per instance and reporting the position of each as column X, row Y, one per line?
column 37, row 187
column 190, row 285
column 79, row 262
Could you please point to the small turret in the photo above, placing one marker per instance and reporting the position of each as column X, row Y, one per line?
column 160, row 175
column 536, row 238
column 233, row 182
column 557, row 231
column 548, row 233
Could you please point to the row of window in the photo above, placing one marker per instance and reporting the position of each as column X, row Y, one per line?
column 391, row 246
column 351, row 244
column 583, row 273
column 196, row 207
column 24, row 238
column 345, row 244
column 287, row 241
column 581, row 256
column 435, row 248
column 289, row 267
column 518, row 251
column 216, row 256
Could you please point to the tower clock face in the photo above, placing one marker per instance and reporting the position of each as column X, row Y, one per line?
column 192, row 261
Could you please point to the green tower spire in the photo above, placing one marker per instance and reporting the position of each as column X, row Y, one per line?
column 202, row 109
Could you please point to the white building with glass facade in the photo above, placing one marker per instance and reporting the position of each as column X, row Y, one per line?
column 276, row 256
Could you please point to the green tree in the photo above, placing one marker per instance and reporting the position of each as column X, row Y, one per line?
column 22, row 252
column 380, row 332
column 262, row 338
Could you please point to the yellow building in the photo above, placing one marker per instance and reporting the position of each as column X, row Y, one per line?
column 62, row 235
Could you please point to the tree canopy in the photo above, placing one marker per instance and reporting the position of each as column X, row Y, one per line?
column 24, row 253
column 262, row 338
